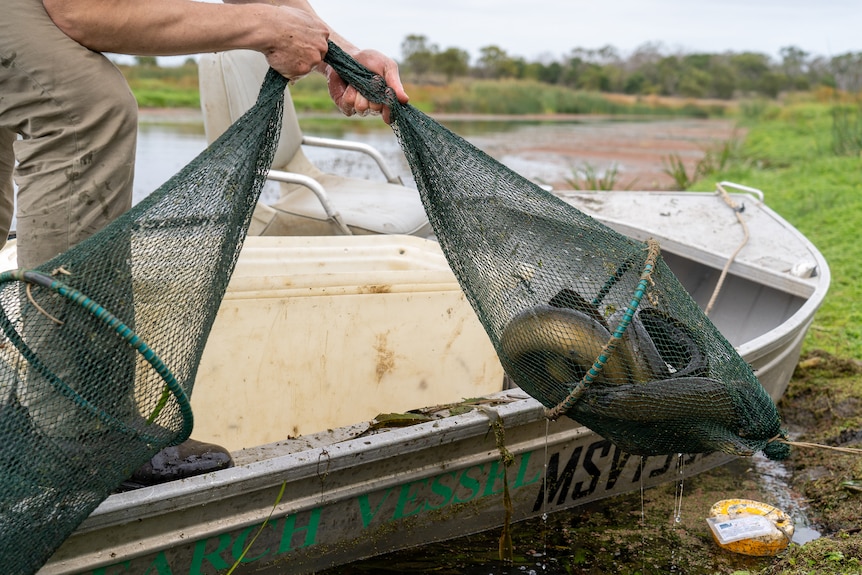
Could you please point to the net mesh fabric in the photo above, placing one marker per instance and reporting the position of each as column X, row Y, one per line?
column 101, row 344
column 591, row 323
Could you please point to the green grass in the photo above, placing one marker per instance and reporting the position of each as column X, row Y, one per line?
column 167, row 98
column 156, row 87
column 790, row 156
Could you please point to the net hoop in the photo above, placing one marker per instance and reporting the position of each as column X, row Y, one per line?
column 125, row 333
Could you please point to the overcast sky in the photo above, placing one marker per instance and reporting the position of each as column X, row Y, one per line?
column 532, row 28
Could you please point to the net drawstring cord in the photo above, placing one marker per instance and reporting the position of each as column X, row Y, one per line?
column 653, row 251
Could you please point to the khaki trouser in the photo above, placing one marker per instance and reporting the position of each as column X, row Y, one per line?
column 69, row 119
column 77, row 122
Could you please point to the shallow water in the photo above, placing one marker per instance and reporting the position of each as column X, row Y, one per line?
column 163, row 150
column 775, row 477
column 550, row 153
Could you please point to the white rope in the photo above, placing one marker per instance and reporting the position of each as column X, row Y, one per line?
column 729, row 201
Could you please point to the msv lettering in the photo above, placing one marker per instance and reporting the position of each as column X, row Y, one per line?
column 595, row 470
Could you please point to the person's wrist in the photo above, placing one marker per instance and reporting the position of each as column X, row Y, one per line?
column 264, row 33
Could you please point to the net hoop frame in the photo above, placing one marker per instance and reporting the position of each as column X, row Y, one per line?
column 125, row 333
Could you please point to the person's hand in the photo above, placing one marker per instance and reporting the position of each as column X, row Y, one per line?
column 350, row 101
column 302, row 42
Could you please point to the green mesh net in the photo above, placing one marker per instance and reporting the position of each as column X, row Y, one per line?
column 592, row 324
column 103, row 342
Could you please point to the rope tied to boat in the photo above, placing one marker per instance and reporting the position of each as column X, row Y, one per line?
column 737, row 210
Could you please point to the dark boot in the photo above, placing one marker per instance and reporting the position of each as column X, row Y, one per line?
column 187, row 459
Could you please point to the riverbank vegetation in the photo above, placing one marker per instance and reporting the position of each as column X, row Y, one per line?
column 177, row 87
column 157, row 86
column 650, row 80
column 648, row 70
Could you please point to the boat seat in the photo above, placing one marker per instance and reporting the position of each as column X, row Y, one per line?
column 310, row 201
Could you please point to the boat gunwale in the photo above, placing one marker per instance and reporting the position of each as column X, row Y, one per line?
column 304, row 464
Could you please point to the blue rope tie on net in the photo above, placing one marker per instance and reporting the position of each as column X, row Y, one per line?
column 609, row 348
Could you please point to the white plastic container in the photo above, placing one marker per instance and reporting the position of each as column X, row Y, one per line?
column 321, row 332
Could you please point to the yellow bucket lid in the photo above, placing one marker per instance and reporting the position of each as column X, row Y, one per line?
column 750, row 527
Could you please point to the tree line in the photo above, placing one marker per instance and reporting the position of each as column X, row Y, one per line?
column 647, row 70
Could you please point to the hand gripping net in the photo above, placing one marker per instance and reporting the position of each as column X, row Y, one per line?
column 101, row 344
column 591, row 323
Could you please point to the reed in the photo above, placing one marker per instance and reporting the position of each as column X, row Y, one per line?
column 847, row 130
column 587, row 177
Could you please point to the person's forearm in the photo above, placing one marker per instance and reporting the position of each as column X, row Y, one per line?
column 288, row 32
column 162, row 27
